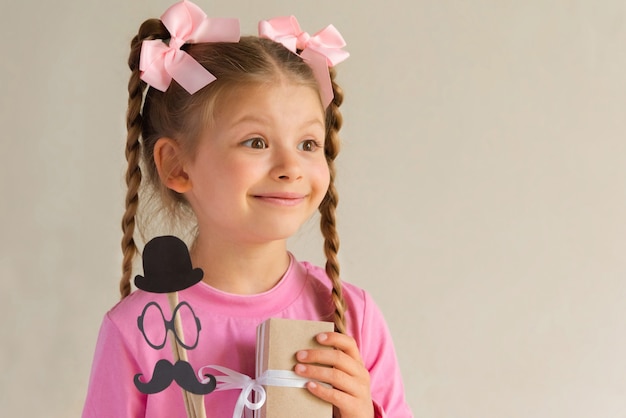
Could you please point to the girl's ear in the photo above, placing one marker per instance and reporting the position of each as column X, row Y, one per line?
column 168, row 158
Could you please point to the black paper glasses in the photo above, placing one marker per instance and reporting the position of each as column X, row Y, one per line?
column 157, row 335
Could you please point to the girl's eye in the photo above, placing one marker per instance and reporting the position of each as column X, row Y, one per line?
column 308, row 145
column 256, row 143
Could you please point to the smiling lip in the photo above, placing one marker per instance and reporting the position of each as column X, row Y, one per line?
column 281, row 199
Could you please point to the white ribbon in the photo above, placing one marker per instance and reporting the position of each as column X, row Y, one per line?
column 234, row 380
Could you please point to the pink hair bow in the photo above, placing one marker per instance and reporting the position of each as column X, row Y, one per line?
column 159, row 62
column 320, row 51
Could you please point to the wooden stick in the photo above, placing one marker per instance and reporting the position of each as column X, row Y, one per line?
column 194, row 404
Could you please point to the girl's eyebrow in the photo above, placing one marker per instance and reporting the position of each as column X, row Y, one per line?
column 314, row 121
column 252, row 118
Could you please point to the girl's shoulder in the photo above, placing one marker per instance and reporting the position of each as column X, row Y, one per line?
column 134, row 304
column 357, row 298
column 319, row 273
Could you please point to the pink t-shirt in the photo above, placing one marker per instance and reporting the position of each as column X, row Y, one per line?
column 132, row 334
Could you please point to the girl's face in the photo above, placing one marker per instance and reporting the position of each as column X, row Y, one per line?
column 259, row 171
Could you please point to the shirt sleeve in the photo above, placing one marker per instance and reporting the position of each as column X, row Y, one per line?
column 379, row 356
column 111, row 392
column 378, row 411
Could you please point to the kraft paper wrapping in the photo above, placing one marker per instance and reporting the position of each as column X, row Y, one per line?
column 278, row 340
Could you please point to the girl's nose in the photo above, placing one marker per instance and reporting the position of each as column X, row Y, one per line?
column 287, row 165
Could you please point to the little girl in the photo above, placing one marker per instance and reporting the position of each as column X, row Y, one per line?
column 242, row 133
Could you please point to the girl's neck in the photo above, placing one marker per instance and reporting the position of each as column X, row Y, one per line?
column 240, row 269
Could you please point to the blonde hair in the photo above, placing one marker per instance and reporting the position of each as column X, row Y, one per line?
column 175, row 114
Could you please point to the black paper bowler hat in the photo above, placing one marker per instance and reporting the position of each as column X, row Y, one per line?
column 167, row 266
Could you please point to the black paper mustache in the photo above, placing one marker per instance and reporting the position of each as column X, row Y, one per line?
column 181, row 372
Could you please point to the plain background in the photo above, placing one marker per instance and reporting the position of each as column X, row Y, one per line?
column 482, row 183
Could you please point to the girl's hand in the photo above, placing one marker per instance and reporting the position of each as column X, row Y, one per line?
column 350, row 392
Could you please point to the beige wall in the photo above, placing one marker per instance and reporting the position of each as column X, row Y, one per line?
column 482, row 183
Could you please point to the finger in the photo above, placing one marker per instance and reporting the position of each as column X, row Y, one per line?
column 342, row 342
column 334, row 377
column 348, row 405
column 335, row 368
column 332, row 358
column 339, row 399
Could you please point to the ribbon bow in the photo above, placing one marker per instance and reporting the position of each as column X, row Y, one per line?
column 320, row 51
column 239, row 381
column 187, row 23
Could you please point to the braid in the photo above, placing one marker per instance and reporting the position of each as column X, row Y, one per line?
column 329, row 206
column 150, row 29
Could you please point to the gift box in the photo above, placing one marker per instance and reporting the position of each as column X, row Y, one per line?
column 278, row 341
